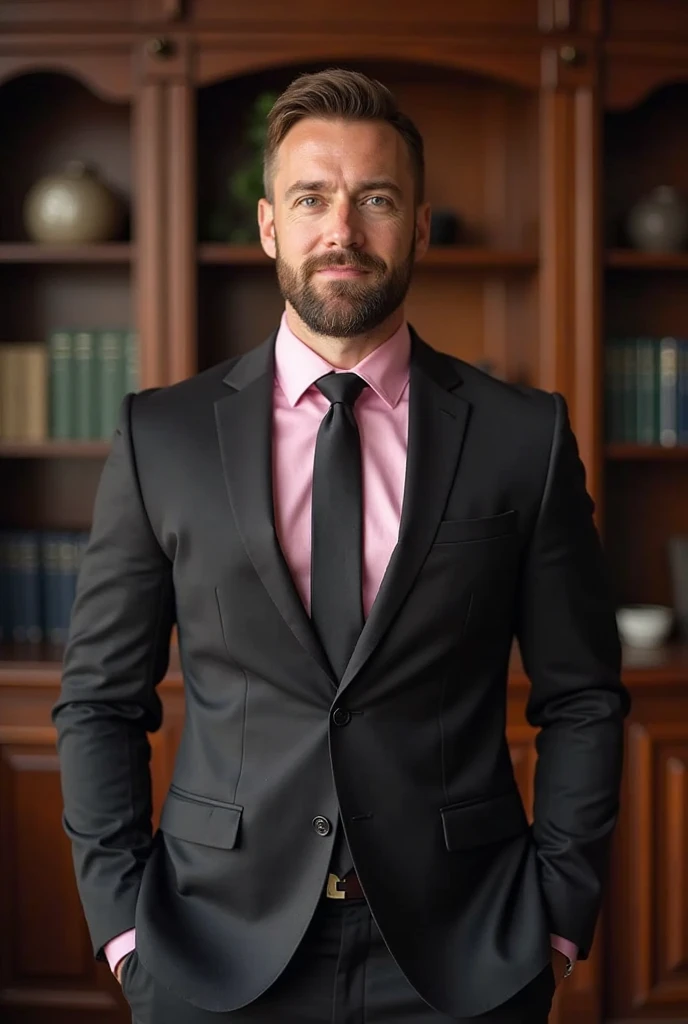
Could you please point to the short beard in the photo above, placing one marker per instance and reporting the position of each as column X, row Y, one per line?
column 345, row 309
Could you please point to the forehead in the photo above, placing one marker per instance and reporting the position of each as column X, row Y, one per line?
column 343, row 150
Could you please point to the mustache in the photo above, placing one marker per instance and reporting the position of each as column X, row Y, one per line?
column 353, row 260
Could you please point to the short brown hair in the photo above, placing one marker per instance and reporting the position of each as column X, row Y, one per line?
column 337, row 93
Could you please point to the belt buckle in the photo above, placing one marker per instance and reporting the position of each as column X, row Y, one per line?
column 332, row 891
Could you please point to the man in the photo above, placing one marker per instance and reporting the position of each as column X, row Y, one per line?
column 348, row 529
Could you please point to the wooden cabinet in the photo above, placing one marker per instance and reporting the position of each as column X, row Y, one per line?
column 544, row 120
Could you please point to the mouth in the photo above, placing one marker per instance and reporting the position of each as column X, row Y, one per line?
column 342, row 272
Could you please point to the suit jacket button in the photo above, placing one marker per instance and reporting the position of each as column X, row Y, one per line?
column 321, row 825
column 341, row 716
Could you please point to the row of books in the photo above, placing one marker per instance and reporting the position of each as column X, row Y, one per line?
column 70, row 388
column 646, row 390
column 38, row 576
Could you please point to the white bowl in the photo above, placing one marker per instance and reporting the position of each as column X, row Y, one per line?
column 644, row 625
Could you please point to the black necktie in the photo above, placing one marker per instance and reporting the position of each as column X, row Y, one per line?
column 336, row 525
column 336, row 541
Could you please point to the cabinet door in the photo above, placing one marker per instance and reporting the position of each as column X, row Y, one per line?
column 579, row 1001
column 647, row 925
column 48, row 974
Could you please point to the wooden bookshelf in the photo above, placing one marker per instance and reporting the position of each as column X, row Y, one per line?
column 542, row 129
column 646, row 452
column 54, row 449
column 30, row 252
column 632, row 259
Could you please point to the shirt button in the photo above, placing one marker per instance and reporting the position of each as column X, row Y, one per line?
column 321, row 825
column 341, row 716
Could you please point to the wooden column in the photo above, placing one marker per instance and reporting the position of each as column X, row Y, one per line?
column 570, row 246
column 182, row 351
column 149, row 228
column 569, row 327
column 166, row 220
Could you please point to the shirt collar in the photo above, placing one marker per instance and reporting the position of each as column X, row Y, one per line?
column 386, row 369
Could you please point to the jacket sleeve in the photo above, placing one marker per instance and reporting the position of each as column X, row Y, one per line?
column 570, row 648
column 116, row 655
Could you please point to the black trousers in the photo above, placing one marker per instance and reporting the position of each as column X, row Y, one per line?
column 342, row 973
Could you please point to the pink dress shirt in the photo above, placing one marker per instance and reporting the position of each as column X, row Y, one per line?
column 382, row 416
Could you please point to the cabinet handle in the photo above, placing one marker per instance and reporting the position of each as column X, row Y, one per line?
column 569, row 54
column 159, row 47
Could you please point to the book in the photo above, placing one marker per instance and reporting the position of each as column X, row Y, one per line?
column 61, row 384
column 110, row 361
column 34, row 380
column 131, row 363
column 11, row 407
column 86, row 426
column 667, row 391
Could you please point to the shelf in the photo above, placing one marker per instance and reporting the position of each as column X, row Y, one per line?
column 438, row 256
column 39, row 665
column 233, row 255
column 30, row 252
column 633, row 259
column 667, row 665
column 54, row 449
column 619, row 451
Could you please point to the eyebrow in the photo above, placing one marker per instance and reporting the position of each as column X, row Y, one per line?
column 377, row 184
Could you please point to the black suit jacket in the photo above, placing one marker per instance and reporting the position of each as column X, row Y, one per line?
column 496, row 540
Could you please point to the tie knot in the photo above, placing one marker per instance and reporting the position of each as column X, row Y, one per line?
column 341, row 387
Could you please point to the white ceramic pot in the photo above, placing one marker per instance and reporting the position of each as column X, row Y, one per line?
column 659, row 221
column 71, row 208
column 644, row 625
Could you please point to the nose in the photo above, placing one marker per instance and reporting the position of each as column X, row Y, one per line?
column 343, row 229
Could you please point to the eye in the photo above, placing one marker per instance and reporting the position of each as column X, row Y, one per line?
column 308, row 202
column 378, row 201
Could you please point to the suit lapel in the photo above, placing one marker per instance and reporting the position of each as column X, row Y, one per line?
column 437, row 424
column 244, row 425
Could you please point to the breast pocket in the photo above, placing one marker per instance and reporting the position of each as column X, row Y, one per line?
column 465, row 531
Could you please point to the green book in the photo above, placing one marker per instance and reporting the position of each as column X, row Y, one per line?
column 110, row 380
column 61, row 384
column 85, row 396
column 646, row 391
column 667, row 391
column 131, row 362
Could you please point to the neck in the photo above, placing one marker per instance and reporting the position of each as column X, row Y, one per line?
column 344, row 353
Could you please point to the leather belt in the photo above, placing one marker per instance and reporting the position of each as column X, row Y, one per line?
column 348, row 888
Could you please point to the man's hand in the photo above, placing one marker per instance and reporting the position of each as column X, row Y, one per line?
column 120, row 965
column 559, row 965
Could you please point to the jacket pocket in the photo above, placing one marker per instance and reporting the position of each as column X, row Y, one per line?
column 456, row 531
column 477, row 824
column 201, row 820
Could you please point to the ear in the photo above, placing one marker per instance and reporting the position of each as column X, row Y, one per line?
column 422, row 230
column 266, row 224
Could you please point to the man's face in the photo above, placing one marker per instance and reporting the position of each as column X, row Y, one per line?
column 343, row 227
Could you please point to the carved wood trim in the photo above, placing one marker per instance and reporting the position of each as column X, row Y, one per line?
column 104, row 67
column 222, row 55
column 632, row 74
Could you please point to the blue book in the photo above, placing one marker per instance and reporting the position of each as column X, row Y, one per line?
column 50, row 576
column 5, row 597
column 68, row 570
column 682, row 398
column 26, row 588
